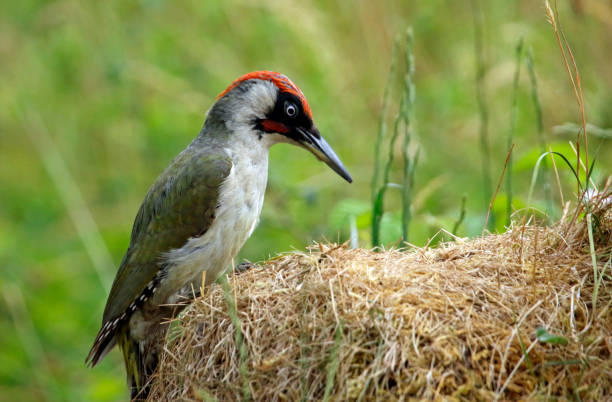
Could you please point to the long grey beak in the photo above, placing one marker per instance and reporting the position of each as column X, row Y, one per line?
column 315, row 143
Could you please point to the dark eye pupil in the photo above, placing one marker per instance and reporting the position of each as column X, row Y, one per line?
column 290, row 110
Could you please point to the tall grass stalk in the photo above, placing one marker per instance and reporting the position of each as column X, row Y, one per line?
column 401, row 125
column 513, row 119
column 379, row 204
column 574, row 76
column 535, row 97
column 409, row 162
column 483, row 110
column 382, row 130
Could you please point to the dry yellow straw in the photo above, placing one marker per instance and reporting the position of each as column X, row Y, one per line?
column 455, row 321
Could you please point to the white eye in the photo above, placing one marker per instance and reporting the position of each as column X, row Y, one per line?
column 290, row 109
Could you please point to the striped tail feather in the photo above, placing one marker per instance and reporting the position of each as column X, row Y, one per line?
column 104, row 342
column 138, row 367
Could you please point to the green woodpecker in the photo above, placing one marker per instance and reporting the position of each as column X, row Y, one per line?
column 200, row 211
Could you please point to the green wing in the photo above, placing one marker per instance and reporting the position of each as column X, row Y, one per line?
column 181, row 204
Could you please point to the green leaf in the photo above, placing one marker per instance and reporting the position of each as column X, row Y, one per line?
column 544, row 336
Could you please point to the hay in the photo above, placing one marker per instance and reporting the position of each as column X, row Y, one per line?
column 458, row 322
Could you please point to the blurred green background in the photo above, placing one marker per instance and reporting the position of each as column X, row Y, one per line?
column 97, row 97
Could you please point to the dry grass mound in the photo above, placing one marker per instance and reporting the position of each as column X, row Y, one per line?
column 501, row 317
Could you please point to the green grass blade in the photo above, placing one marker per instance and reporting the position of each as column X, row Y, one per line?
column 596, row 277
column 567, row 162
column 232, row 311
column 534, row 176
column 546, row 337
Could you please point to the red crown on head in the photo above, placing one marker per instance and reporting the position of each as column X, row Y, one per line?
column 282, row 82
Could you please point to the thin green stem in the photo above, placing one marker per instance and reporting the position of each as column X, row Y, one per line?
column 409, row 162
column 478, row 17
column 513, row 120
column 461, row 215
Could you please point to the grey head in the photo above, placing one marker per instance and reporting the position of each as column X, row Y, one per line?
column 274, row 109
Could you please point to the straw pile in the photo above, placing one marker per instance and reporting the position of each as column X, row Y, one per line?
column 455, row 322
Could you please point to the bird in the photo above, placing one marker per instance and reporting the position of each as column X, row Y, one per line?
column 199, row 212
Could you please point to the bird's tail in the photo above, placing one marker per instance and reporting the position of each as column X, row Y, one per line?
column 138, row 366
